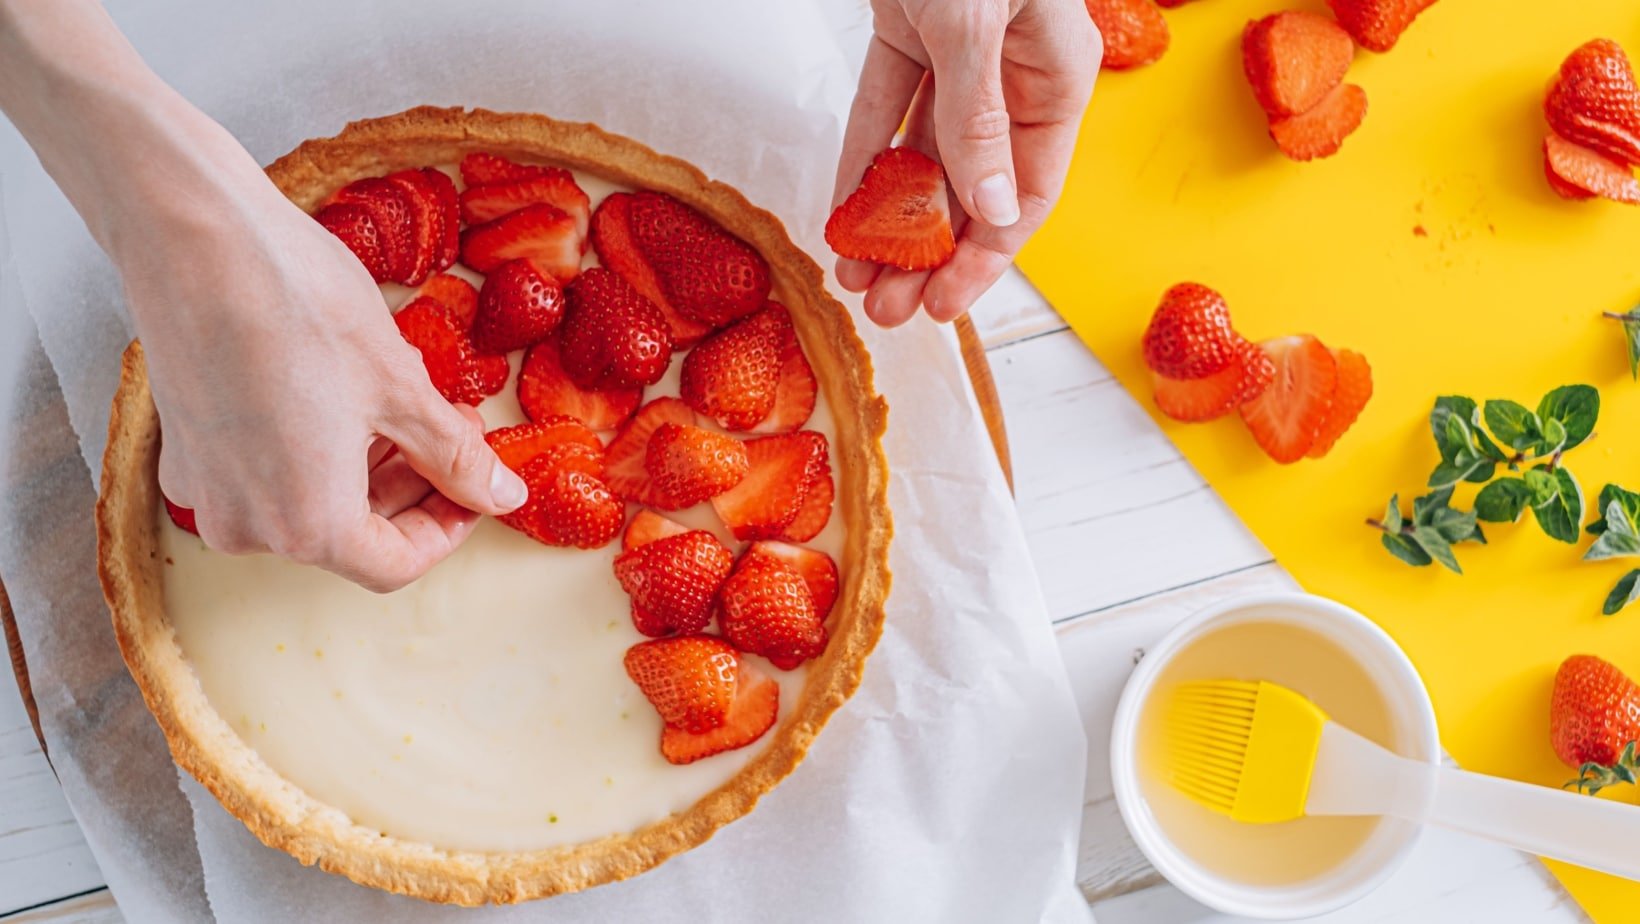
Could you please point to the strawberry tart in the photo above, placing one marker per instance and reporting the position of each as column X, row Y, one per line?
column 603, row 678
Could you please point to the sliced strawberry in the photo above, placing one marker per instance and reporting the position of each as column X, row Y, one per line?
column 705, row 272
column 426, row 231
column 1562, row 188
column 766, row 608
column 454, row 293
column 733, row 375
column 568, row 505
column 1189, row 336
column 449, row 215
column 482, row 169
column 690, row 680
column 688, row 465
column 796, row 390
column 612, row 239
column 519, row 444
column 1286, row 419
column 536, row 232
column 1377, row 24
column 1294, row 59
column 554, row 186
column 1578, row 168
column 1595, row 101
column 355, row 225
column 459, row 372
column 646, row 527
column 1350, row 395
column 182, row 516
column 782, row 472
column 673, row 582
column 1134, row 32
column 630, row 448
column 755, row 707
column 1196, row 400
column 611, row 336
column 518, row 307
column 391, row 208
column 817, row 502
column 817, row 569
column 899, row 216
column 1321, row 131
column 545, row 390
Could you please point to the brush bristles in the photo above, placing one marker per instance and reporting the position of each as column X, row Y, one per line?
column 1208, row 732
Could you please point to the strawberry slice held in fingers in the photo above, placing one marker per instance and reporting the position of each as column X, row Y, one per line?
column 1287, row 417
column 612, row 240
column 1134, row 32
column 355, row 226
column 611, row 336
column 1294, row 59
column 733, row 375
column 1350, row 395
column 518, row 307
column 553, row 186
column 782, row 470
column 647, row 526
column 816, row 568
column 690, row 680
column 627, row 453
column 899, row 216
column 706, row 273
column 766, row 608
column 520, row 443
column 459, row 372
column 1320, row 132
column 542, row 233
column 752, row 713
column 673, row 582
column 569, row 504
column 815, row 512
column 182, row 516
column 688, row 465
column 454, row 293
column 1577, row 172
column 545, row 391
column 796, row 390
column 1203, row 399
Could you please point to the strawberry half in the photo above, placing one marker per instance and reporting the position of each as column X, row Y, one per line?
column 454, row 293
column 1595, row 101
column 733, row 375
column 817, row 569
column 627, row 453
column 182, row 516
column 459, row 372
column 691, row 681
column 782, row 470
column 1134, row 32
column 673, row 582
column 541, row 233
column 612, row 240
column 706, row 273
column 1321, row 131
column 1577, row 172
column 752, row 713
column 1190, row 336
column 1594, row 712
column 518, row 307
column 646, row 527
column 355, row 226
column 611, row 336
column 765, row 608
column 688, row 465
column 796, row 390
column 1197, row 400
column 1377, row 24
column 553, row 186
column 899, row 216
column 1350, row 395
column 1294, row 59
column 569, row 505
column 519, row 444
column 1286, row 419
column 545, row 391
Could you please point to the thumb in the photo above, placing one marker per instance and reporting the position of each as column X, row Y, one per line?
column 445, row 445
column 971, row 122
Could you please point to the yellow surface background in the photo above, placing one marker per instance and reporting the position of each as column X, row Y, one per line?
column 1175, row 179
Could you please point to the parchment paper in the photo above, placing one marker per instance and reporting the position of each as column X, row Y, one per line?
column 949, row 788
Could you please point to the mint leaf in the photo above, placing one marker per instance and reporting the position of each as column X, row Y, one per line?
column 1466, row 468
column 1502, row 501
column 1631, row 334
column 1554, row 437
column 1513, row 425
column 1575, row 408
column 1541, row 486
column 1436, row 546
column 1628, row 499
column 1451, row 421
column 1627, row 589
column 1455, row 525
column 1465, row 449
column 1392, row 514
column 1619, row 539
column 1560, row 516
column 1423, row 508
column 1406, row 550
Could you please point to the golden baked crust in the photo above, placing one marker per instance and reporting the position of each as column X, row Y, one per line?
column 285, row 817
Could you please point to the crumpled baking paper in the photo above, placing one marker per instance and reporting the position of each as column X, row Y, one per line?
column 950, row 786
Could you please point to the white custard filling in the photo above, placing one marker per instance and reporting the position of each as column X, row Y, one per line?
column 485, row 707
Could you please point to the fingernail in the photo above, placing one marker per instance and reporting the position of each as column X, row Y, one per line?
column 996, row 200
column 506, row 488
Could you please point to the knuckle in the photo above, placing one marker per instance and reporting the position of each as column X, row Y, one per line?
column 468, row 450
column 984, row 124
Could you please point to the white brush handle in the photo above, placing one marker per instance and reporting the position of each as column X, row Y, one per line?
column 1354, row 776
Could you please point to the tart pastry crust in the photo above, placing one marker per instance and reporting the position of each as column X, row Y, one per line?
column 286, row 817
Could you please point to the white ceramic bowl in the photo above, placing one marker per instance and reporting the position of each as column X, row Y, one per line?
column 1411, row 721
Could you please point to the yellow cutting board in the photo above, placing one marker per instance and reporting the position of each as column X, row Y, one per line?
column 1432, row 244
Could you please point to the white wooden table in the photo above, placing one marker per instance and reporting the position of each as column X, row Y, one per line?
column 1102, row 492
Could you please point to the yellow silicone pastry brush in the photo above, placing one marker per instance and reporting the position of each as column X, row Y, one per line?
column 1261, row 753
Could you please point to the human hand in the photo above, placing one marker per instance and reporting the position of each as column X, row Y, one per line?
column 1015, row 77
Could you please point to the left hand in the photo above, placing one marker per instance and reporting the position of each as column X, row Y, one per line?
column 1014, row 79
